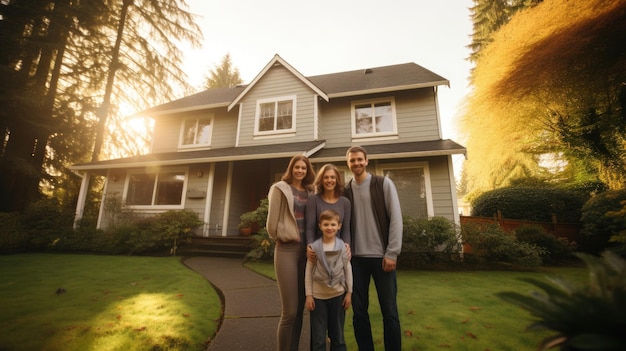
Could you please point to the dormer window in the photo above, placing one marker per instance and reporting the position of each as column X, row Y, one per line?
column 274, row 116
column 374, row 118
column 196, row 132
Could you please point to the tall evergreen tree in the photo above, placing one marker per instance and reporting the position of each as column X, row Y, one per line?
column 223, row 75
column 54, row 63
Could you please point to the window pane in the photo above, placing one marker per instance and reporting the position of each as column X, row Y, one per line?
column 266, row 118
column 140, row 189
column 363, row 118
column 382, row 113
column 204, row 131
column 170, row 188
column 189, row 132
column 411, row 187
column 284, row 115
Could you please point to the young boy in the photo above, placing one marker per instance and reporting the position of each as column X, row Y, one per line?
column 328, row 285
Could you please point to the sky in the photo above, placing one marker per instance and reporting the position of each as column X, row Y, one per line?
column 330, row 36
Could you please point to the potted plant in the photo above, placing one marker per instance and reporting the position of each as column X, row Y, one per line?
column 247, row 221
column 252, row 221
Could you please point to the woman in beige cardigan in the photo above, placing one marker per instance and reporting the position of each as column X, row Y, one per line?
column 286, row 226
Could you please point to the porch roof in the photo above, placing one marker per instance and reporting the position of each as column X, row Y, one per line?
column 204, row 156
column 394, row 151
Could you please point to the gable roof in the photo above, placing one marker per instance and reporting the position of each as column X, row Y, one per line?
column 277, row 60
column 365, row 81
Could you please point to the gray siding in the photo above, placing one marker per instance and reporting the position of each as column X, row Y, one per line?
column 415, row 112
column 167, row 129
column 277, row 82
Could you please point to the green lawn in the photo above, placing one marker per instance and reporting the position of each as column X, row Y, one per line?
column 149, row 303
column 109, row 303
column 457, row 310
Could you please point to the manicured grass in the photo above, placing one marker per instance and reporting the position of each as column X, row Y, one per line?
column 109, row 303
column 457, row 310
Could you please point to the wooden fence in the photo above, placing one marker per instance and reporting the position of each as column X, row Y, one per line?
column 570, row 231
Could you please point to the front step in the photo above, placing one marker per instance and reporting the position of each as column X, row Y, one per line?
column 217, row 246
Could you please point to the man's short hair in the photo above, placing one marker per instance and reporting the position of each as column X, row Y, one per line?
column 356, row 148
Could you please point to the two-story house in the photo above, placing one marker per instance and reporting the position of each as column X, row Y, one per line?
column 217, row 152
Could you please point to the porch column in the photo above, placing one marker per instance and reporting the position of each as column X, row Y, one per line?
column 209, row 197
column 82, row 198
column 229, row 186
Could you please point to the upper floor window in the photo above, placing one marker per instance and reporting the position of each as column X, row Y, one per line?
column 276, row 115
column 196, row 132
column 164, row 188
column 374, row 118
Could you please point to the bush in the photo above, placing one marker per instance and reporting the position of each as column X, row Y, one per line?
column 425, row 240
column 531, row 204
column 601, row 220
column 45, row 222
column 585, row 317
column 12, row 237
column 555, row 249
column 261, row 247
column 492, row 245
column 171, row 228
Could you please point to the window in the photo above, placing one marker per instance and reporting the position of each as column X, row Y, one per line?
column 156, row 189
column 276, row 115
column 196, row 132
column 374, row 118
column 413, row 184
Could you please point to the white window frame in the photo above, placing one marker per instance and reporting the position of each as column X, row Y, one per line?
column 276, row 100
column 195, row 144
column 180, row 206
column 394, row 119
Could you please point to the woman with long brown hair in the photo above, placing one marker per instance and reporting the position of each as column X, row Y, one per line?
column 286, row 226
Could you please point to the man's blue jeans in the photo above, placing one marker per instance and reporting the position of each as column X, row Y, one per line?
column 363, row 269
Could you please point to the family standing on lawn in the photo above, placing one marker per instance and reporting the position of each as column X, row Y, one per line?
column 366, row 221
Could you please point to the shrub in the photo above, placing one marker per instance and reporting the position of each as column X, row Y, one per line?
column 531, row 204
column 261, row 246
column 424, row 240
column 45, row 222
column 491, row 244
column 602, row 219
column 12, row 237
column 555, row 249
column 584, row 317
column 173, row 227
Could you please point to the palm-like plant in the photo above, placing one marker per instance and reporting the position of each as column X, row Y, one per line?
column 589, row 317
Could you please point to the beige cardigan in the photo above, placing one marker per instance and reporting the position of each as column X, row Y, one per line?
column 281, row 220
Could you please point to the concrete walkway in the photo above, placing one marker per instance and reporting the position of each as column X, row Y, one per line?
column 252, row 305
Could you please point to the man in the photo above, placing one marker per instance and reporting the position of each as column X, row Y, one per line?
column 376, row 243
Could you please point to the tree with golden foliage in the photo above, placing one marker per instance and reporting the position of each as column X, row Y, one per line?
column 551, row 85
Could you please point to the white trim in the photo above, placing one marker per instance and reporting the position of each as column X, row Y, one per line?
column 436, row 93
column 371, row 102
column 82, row 198
column 103, row 200
column 316, row 117
column 275, row 101
column 387, row 89
column 455, row 199
column 157, row 171
column 239, row 120
column 195, row 145
column 277, row 60
column 227, row 195
column 209, row 200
